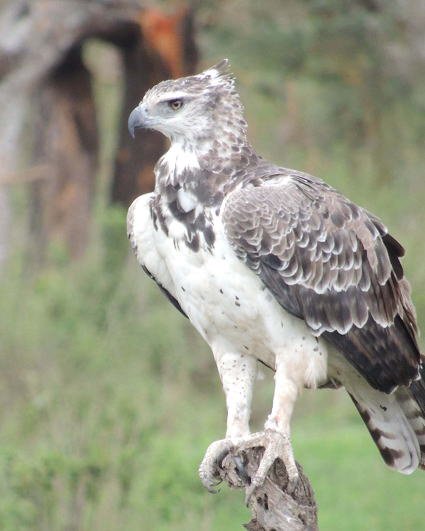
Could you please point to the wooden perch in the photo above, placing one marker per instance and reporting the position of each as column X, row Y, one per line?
column 272, row 507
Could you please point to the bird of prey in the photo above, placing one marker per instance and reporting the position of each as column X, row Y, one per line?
column 273, row 265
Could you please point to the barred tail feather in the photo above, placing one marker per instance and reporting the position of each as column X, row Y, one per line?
column 417, row 389
column 390, row 430
column 417, row 407
column 417, row 392
column 412, row 409
column 395, row 421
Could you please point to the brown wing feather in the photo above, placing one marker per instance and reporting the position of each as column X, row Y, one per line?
column 333, row 264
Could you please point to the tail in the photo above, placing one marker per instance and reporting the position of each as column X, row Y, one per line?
column 396, row 422
column 415, row 410
column 417, row 388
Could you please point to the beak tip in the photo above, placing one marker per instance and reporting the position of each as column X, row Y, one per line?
column 134, row 121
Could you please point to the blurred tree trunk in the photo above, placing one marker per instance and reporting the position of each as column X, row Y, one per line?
column 66, row 139
column 41, row 64
column 4, row 225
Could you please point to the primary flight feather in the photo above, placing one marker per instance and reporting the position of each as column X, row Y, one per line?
column 273, row 265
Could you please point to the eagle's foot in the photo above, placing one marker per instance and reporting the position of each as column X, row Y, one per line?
column 209, row 468
column 276, row 445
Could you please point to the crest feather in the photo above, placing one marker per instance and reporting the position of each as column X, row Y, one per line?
column 220, row 69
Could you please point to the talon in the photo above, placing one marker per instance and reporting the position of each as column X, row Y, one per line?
column 211, row 487
column 276, row 445
column 208, row 469
column 240, row 469
column 209, row 481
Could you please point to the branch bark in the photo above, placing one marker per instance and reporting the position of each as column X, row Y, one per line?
column 273, row 508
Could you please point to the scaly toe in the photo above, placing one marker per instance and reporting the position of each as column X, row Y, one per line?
column 276, row 445
column 208, row 469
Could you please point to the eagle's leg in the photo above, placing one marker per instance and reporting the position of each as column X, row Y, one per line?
column 276, row 436
column 237, row 373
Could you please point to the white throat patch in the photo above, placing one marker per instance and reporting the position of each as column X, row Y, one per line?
column 180, row 159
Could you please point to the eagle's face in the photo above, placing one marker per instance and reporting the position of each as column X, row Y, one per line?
column 191, row 110
column 173, row 111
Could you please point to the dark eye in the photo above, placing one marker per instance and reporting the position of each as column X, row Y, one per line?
column 175, row 104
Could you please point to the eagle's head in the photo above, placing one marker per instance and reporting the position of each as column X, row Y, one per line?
column 193, row 110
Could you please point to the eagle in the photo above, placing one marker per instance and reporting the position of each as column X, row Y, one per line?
column 273, row 265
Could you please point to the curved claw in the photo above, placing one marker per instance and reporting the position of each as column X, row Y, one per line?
column 276, row 445
column 241, row 470
column 210, row 486
column 208, row 469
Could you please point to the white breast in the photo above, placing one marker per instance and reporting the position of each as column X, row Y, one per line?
column 225, row 301
column 142, row 235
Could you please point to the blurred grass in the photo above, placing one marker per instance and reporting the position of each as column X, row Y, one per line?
column 109, row 399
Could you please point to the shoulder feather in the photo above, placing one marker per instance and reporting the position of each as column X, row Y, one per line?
column 331, row 263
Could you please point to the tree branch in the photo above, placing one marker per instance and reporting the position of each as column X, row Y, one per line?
column 272, row 507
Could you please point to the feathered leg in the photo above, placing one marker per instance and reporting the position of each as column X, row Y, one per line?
column 276, row 436
column 237, row 373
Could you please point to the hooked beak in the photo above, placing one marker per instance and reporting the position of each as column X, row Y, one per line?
column 135, row 120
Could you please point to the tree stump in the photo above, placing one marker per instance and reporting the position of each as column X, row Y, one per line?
column 273, row 508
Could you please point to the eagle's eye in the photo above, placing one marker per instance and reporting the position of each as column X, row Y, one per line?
column 175, row 104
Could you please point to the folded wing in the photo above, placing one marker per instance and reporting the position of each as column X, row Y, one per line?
column 333, row 264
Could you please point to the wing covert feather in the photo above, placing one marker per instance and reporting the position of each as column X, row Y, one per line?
column 333, row 264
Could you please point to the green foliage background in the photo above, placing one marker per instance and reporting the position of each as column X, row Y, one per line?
column 108, row 398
